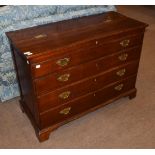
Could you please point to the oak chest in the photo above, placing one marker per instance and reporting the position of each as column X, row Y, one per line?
column 69, row 68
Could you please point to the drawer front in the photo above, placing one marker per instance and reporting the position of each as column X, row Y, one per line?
column 63, row 95
column 86, row 102
column 68, row 76
column 92, row 50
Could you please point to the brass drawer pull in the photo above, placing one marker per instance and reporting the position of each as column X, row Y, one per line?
column 125, row 43
column 65, row 95
column 63, row 62
column 121, row 72
column 123, row 57
column 63, row 78
column 65, row 111
column 119, row 87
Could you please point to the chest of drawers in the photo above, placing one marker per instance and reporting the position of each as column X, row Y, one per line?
column 69, row 68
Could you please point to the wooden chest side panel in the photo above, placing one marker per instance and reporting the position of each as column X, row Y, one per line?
column 26, row 87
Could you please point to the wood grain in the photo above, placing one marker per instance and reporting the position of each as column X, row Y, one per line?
column 102, row 53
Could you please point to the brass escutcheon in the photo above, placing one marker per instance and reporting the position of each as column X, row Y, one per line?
column 121, row 72
column 63, row 62
column 65, row 111
column 125, row 43
column 119, row 87
column 123, row 57
column 64, row 95
column 63, row 78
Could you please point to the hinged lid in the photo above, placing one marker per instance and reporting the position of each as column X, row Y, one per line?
column 38, row 40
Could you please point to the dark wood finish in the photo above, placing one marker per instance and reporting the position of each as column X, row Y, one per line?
column 76, row 66
column 49, row 100
column 85, row 102
column 75, row 32
column 89, row 52
column 86, row 69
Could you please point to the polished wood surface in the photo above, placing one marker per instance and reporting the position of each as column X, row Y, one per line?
column 69, row 68
column 52, row 99
column 86, row 69
column 85, row 54
column 75, row 32
column 85, row 102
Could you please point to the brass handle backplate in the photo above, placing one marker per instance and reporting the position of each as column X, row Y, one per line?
column 125, row 43
column 123, row 57
column 63, row 62
column 65, row 111
column 40, row 36
column 63, row 78
column 108, row 19
column 119, row 87
column 64, row 95
column 121, row 72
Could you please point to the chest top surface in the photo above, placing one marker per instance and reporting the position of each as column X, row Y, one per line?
column 53, row 36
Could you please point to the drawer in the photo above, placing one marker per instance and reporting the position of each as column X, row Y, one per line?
column 63, row 95
column 86, row 102
column 74, row 74
column 90, row 51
